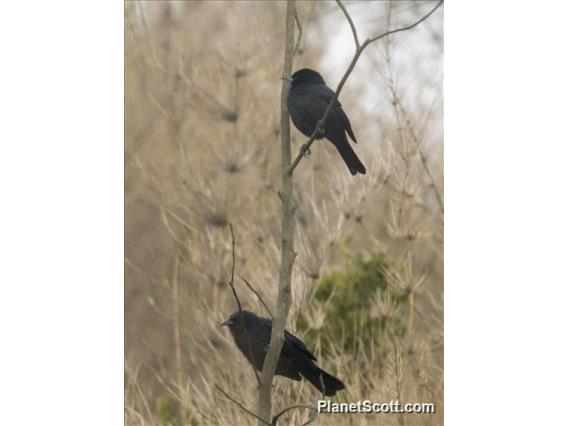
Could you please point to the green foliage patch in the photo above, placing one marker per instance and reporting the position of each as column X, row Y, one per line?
column 347, row 298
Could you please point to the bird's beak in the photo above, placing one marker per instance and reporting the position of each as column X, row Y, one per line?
column 286, row 78
column 227, row 322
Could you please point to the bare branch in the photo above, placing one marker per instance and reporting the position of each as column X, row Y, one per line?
column 232, row 282
column 321, row 124
column 241, row 406
column 300, row 32
column 251, row 288
column 274, row 421
column 288, row 255
column 372, row 40
column 292, row 407
column 232, row 285
column 351, row 24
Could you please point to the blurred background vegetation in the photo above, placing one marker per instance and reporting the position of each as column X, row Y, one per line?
column 202, row 150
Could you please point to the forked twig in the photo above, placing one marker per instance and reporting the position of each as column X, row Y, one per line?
column 274, row 421
column 292, row 407
column 241, row 406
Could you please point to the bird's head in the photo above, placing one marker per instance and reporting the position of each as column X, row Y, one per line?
column 236, row 318
column 305, row 76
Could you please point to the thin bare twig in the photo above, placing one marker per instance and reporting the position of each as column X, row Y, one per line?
column 321, row 124
column 300, row 32
column 351, row 24
column 369, row 41
column 274, row 421
column 251, row 288
column 232, row 285
column 232, row 282
column 241, row 406
column 292, row 407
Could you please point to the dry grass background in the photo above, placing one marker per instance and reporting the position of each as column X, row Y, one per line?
column 202, row 150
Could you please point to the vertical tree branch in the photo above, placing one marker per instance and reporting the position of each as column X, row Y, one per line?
column 287, row 252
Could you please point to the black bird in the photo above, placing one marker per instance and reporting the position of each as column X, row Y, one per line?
column 307, row 102
column 295, row 361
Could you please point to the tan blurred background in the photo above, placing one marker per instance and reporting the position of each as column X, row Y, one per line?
column 202, row 150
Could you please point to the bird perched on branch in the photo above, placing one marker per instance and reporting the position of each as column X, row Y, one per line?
column 307, row 102
column 252, row 336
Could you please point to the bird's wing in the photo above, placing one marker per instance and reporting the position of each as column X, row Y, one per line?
column 298, row 344
column 291, row 342
column 327, row 94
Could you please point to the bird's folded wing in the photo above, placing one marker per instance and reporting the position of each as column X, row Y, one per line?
column 297, row 344
column 291, row 342
column 326, row 94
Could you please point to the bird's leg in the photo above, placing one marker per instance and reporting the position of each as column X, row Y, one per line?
column 305, row 150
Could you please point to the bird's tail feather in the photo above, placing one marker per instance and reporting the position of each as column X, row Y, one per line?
column 350, row 158
column 317, row 377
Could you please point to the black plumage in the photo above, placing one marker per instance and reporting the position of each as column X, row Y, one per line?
column 307, row 102
column 295, row 362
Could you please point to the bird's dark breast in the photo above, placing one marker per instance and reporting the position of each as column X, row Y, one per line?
column 304, row 110
column 254, row 350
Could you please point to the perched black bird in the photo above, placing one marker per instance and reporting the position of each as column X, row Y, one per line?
column 307, row 102
column 295, row 360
